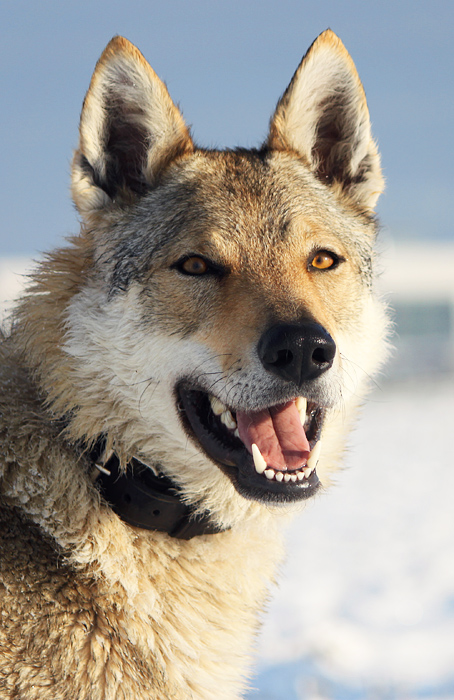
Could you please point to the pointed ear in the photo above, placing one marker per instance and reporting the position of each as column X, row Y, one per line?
column 130, row 130
column 323, row 116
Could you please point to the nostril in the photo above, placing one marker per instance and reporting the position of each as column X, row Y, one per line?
column 283, row 358
column 319, row 357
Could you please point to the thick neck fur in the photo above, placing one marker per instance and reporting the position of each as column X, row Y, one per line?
column 47, row 478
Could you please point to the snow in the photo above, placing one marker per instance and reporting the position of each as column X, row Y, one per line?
column 365, row 604
column 13, row 272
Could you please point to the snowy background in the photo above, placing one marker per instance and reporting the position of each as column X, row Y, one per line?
column 365, row 606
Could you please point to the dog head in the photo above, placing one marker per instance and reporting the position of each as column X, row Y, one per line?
column 218, row 317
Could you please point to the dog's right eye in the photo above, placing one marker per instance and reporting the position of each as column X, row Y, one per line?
column 194, row 266
column 197, row 266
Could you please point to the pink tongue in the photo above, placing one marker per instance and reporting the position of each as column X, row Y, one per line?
column 278, row 434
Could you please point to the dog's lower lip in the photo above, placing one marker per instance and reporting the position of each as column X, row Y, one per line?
column 229, row 453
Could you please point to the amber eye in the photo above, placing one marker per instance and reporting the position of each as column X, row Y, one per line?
column 194, row 266
column 323, row 260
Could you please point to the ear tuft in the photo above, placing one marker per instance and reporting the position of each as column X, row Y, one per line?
column 130, row 130
column 323, row 117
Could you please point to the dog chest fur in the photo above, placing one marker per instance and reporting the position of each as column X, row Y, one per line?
column 78, row 635
column 94, row 608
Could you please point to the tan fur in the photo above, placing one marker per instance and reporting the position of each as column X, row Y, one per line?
column 92, row 607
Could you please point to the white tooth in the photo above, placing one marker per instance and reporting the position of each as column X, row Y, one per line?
column 236, row 433
column 279, row 476
column 301, row 405
column 287, row 477
column 269, row 473
column 217, row 406
column 228, row 420
column 314, row 456
column 259, row 461
column 300, row 476
column 293, row 477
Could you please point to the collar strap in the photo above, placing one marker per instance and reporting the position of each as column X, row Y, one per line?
column 143, row 499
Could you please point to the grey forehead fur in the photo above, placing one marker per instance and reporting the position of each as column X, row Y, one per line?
column 247, row 183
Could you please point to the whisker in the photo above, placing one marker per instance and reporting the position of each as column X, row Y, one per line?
column 142, row 395
column 142, row 381
column 366, row 374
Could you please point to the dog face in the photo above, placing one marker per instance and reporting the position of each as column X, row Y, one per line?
column 222, row 324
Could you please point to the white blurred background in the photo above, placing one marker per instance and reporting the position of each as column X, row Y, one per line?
column 365, row 604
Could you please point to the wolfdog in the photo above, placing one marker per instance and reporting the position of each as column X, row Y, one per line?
column 176, row 378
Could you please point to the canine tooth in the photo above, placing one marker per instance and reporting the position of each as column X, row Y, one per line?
column 314, row 457
column 217, row 406
column 269, row 473
column 259, row 460
column 279, row 476
column 228, row 420
column 301, row 405
column 236, row 433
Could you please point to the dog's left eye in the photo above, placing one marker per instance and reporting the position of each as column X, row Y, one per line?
column 324, row 260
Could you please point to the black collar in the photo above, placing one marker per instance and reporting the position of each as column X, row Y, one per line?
column 143, row 499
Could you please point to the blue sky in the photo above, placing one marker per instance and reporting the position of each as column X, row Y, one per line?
column 226, row 64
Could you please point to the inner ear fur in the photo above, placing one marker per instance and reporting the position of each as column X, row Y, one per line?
column 130, row 130
column 323, row 117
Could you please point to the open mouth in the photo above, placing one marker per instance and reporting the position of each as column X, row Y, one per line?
column 270, row 455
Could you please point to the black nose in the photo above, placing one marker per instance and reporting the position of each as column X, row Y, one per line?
column 296, row 352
